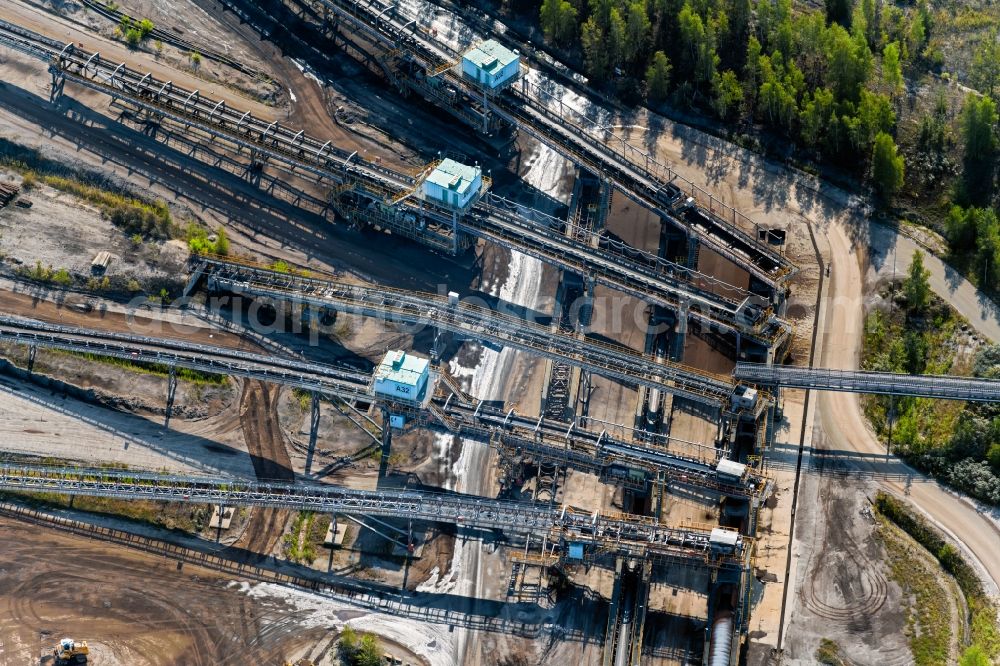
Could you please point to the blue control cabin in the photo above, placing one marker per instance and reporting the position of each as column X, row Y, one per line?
column 453, row 184
column 401, row 376
column 491, row 65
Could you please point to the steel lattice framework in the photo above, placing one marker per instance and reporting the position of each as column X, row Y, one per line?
column 493, row 218
column 625, row 534
column 478, row 323
column 883, row 383
column 177, row 353
column 531, row 108
column 550, row 440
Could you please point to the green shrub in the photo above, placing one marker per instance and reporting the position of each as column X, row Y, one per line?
column 145, row 28
column 199, row 243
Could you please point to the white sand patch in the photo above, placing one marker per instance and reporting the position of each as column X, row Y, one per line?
column 317, row 611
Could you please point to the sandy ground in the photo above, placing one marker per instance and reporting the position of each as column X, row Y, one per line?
column 74, row 232
column 156, row 613
column 48, row 24
column 768, row 192
column 840, row 425
column 34, row 421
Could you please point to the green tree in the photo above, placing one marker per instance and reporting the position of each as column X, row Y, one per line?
column 961, row 227
column 369, row 652
column 916, row 36
column 221, row 242
column 558, row 20
column 658, row 77
column 979, row 118
column 637, row 27
column 697, row 47
column 347, row 644
column 145, row 27
column 815, row 117
column 988, row 247
column 887, row 165
column 751, row 71
column 916, row 286
column 728, row 94
column 915, row 349
column 866, row 21
column 993, row 457
column 616, row 38
column 974, row 656
column 892, row 71
column 849, row 62
column 874, row 115
column 985, row 72
column 595, row 50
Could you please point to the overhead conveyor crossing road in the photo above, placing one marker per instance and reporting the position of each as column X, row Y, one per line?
column 538, row 111
column 947, row 387
column 478, row 323
column 626, row 534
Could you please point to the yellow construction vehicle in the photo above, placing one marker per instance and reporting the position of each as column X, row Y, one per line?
column 71, row 652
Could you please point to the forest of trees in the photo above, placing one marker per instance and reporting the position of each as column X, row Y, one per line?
column 823, row 79
column 831, row 82
column 959, row 444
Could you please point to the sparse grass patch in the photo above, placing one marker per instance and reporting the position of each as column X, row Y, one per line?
column 168, row 515
column 132, row 214
column 305, row 538
column 282, row 266
column 46, row 274
column 983, row 628
column 159, row 369
column 303, row 398
column 928, row 624
column 828, row 653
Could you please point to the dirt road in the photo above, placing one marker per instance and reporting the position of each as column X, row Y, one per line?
column 844, row 424
column 262, row 432
column 894, row 253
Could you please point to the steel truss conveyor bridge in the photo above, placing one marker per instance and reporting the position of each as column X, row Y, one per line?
column 556, row 441
column 947, row 387
column 628, row 535
column 387, row 197
column 532, row 109
column 475, row 322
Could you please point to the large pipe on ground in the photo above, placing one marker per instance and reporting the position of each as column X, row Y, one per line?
column 721, row 645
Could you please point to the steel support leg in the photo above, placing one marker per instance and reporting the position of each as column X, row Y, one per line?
column 313, row 430
column 386, row 443
column 333, row 541
column 256, row 168
column 693, row 247
column 171, row 392
column 437, row 349
column 58, row 83
column 32, row 351
column 680, row 336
